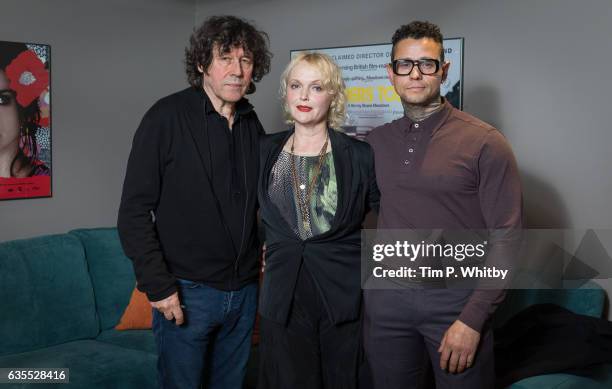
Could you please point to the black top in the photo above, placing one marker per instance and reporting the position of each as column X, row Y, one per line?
column 188, row 206
column 333, row 257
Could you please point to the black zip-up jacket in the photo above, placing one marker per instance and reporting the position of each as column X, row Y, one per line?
column 178, row 218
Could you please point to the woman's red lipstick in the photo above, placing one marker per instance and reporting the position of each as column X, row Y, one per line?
column 303, row 108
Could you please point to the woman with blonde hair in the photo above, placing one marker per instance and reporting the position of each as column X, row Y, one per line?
column 316, row 185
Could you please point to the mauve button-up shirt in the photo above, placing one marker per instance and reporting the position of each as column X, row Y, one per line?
column 449, row 171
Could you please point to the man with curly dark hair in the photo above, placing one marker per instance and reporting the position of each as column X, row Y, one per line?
column 437, row 168
column 188, row 211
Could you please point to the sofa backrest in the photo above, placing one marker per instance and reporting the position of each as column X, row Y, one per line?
column 586, row 299
column 111, row 272
column 46, row 295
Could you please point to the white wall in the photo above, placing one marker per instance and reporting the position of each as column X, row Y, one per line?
column 110, row 61
column 522, row 74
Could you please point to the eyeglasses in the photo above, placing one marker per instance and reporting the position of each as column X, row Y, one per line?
column 7, row 96
column 403, row 67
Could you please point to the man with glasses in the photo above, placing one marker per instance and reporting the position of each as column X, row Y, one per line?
column 437, row 168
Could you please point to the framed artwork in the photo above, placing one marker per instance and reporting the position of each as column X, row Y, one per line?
column 371, row 99
column 25, row 120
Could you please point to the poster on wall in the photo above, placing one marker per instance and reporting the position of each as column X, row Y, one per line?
column 371, row 99
column 25, row 120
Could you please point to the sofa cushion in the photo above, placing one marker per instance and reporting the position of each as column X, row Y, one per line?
column 599, row 377
column 141, row 340
column 138, row 315
column 46, row 293
column 111, row 272
column 92, row 364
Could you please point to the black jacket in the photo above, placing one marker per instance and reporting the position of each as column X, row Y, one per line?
column 169, row 175
column 548, row 339
column 333, row 258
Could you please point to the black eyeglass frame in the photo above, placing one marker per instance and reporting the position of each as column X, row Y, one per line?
column 417, row 62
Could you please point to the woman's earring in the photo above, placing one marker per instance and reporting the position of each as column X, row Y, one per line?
column 26, row 142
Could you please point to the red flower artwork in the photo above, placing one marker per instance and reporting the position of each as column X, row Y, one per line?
column 28, row 77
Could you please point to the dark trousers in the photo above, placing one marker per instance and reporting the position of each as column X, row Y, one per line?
column 310, row 352
column 211, row 348
column 401, row 326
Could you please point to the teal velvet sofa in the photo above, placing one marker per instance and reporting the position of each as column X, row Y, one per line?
column 60, row 298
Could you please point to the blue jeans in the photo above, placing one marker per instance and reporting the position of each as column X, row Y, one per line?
column 212, row 347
